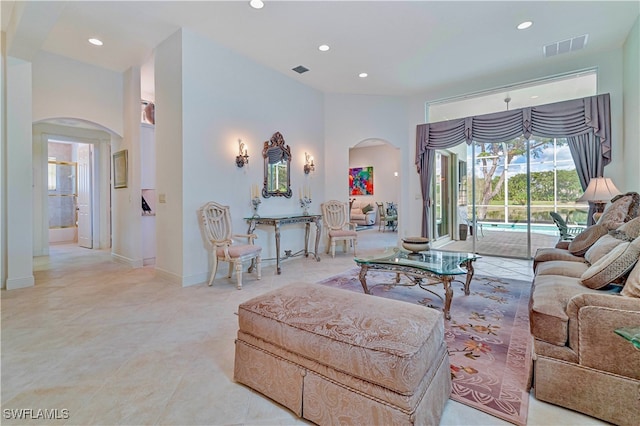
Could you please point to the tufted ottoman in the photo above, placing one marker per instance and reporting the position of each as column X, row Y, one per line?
column 338, row 357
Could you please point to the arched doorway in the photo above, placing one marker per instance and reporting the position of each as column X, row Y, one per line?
column 383, row 159
column 72, row 174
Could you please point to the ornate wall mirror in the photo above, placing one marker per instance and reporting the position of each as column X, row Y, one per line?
column 277, row 161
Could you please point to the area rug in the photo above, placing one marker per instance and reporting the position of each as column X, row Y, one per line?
column 488, row 337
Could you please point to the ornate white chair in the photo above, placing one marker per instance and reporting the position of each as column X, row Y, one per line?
column 387, row 218
column 216, row 223
column 335, row 215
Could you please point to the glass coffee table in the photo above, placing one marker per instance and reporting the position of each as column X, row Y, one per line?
column 424, row 269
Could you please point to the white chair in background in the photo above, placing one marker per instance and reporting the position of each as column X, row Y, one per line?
column 335, row 215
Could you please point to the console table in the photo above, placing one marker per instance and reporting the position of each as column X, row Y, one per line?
column 276, row 221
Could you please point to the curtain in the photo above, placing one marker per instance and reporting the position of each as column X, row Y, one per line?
column 587, row 155
column 571, row 119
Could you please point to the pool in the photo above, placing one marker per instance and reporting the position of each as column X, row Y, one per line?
column 520, row 227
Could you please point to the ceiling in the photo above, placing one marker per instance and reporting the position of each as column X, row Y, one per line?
column 406, row 47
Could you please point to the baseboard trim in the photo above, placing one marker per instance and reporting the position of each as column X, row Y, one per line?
column 15, row 283
column 131, row 262
column 182, row 281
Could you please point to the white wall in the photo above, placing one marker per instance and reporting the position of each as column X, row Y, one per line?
column 169, row 161
column 19, row 174
column 350, row 119
column 385, row 160
column 3, row 159
column 126, row 202
column 224, row 97
column 631, row 104
column 63, row 87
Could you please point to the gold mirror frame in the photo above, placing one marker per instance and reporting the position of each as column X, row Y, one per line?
column 277, row 168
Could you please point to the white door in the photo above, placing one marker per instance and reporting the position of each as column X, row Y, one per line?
column 85, row 236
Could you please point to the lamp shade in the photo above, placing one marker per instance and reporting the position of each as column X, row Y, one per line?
column 599, row 190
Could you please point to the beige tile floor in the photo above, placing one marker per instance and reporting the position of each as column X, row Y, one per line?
column 115, row 345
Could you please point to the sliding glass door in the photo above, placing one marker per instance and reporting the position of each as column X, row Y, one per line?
column 514, row 187
column 442, row 197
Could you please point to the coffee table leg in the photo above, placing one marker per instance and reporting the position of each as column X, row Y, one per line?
column 363, row 278
column 467, row 285
column 448, row 295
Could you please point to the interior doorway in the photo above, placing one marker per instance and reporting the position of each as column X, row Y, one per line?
column 384, row 181
column 72, row 184
column 69, row 192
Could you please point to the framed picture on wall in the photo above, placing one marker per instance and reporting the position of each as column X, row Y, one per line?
column 361, row 181
column 120, row 169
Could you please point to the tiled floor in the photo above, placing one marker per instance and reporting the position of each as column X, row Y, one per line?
column 115, row 345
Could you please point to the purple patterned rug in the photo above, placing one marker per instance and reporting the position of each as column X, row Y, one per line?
column 488, row 337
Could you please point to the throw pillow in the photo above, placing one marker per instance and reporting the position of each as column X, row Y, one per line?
column 612, row 266
column 632, row 286
column 630, row 230
column 366, row 209
column 623, row 208
column 584, row 240
column 601, row 248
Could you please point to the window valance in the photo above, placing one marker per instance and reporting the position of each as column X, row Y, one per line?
column 561, row 119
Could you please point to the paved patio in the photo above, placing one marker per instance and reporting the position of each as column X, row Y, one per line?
column 502, row 243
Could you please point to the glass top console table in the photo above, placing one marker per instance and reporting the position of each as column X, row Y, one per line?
column 277, row 220
column 423, row 269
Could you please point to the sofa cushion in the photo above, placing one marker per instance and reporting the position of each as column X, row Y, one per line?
column 632, row 284
column 551, row 253
column 602, row 247
column 562, row 267
column 366, row 209
column 583, row 241
column 612, row 266
column 622, row 209
column 547, row 308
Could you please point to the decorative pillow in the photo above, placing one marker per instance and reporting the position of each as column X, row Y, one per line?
column 601, row 248
column 584, row 240
column 612, row 266
column 632, row 286
column 630, row 230
column 366, row 209
column 622, row 209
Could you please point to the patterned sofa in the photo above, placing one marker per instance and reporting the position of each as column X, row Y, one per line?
column 360, row 217
column 583, row 291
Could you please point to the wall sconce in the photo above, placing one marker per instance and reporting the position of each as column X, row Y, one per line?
column 243, row 157
column 308, row 164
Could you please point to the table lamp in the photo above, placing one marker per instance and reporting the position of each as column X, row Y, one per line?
column 599, row 191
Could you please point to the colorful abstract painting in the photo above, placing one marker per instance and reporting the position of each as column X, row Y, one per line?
column 361, row 181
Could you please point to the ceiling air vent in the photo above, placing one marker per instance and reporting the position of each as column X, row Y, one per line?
column 300, row 69
column 565, row 46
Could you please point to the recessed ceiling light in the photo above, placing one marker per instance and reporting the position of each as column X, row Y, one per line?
column 363, row 75
column 256, row 4
column 95, row 42
column 524, row 25
column 323, row 47
column 534, row 97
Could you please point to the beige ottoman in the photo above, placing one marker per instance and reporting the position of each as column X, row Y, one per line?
column 338, row 357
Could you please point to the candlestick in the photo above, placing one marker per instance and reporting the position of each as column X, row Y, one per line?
column 255, row 202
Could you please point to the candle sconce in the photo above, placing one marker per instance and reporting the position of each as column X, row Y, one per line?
column 243, row 157
column 308, row 165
